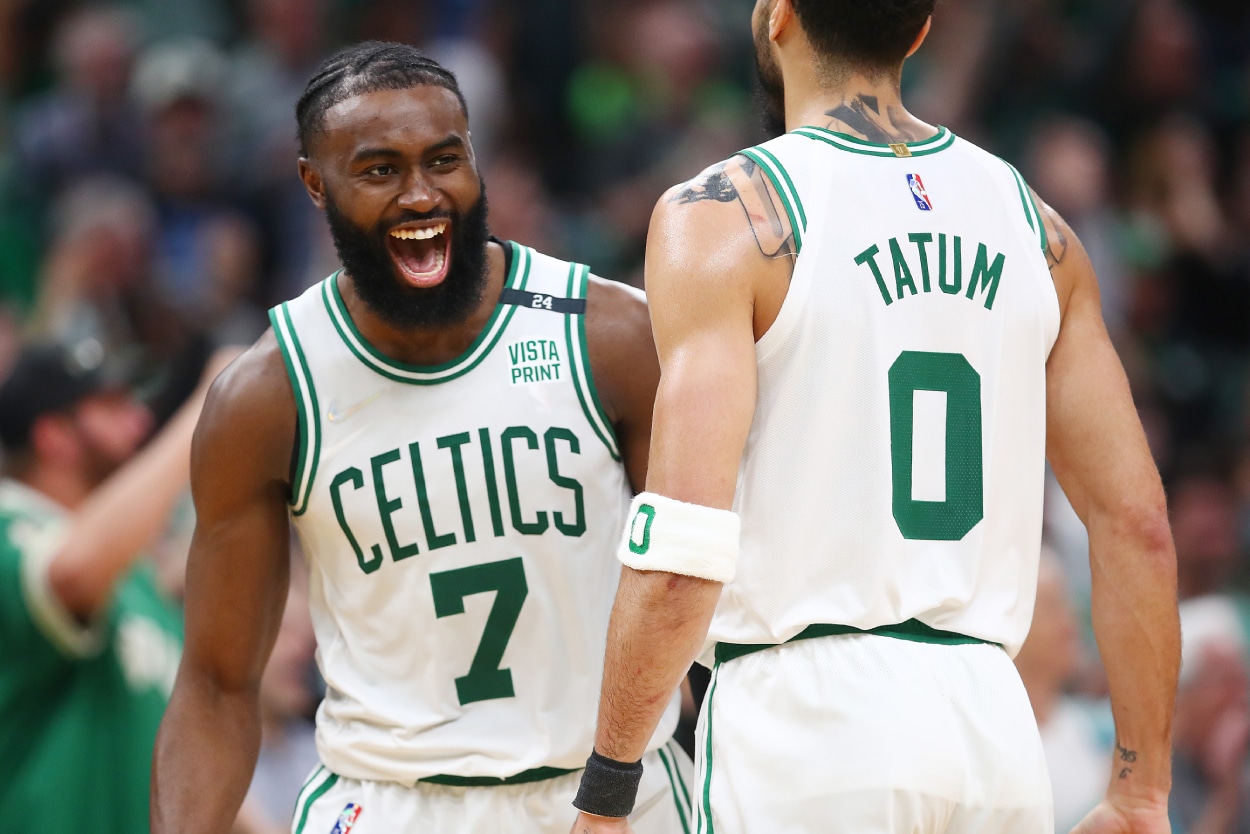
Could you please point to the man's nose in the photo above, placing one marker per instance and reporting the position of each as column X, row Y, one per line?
column 418, row 195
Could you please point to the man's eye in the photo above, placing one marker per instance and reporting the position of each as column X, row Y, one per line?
column 447, row 159
column 381, row 170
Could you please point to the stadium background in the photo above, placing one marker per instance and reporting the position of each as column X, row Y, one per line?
column 148, row 196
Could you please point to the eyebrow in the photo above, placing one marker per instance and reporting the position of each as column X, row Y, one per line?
column 452, row 141
column 391, row 153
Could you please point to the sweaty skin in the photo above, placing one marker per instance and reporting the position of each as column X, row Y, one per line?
column 714, row 290
column 237, row 572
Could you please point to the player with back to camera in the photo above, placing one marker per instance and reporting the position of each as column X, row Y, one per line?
column 452, row 424
column 872, row 335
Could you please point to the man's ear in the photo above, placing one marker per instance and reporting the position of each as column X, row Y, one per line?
column 780, row 18
column 924, row 33
column 312, row 182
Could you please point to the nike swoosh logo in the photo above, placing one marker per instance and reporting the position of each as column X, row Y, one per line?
column 336, row 416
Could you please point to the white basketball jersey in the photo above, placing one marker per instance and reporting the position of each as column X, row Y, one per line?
column 459, row 524
column 894, row 468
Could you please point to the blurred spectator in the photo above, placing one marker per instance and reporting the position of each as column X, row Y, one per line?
column 87, row 124
column 1212, row 725
column 98, row 285
column 1077, row 735
column 91, row 642
column 1205, row 526
column 180, row 87
column 1068, row 162
column 288, row 750
column 284, row 44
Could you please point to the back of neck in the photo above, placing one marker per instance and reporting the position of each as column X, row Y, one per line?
column 863, row 107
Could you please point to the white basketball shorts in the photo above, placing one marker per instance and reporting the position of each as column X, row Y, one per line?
column 330, row 804
column 869, row 734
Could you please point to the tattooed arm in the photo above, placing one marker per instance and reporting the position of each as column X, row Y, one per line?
column 1098, row 451
column 739, row 180
column 718, row 266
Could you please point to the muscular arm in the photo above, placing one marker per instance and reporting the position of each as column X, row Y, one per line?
column 713, row 279
column 1098, row 451
column 237, row 576
column 625, row 368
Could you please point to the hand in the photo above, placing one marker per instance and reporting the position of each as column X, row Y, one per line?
column 1112, row 818
column 591, row 824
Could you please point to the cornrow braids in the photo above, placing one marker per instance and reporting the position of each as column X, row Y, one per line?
column 366, row 68
column 872, row 35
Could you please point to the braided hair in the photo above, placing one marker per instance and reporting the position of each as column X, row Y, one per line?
column 871, row 35
column 366, row 68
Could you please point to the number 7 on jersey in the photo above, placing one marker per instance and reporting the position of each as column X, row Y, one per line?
column 485, row 681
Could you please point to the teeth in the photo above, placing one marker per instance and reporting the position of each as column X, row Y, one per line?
column 419, row 234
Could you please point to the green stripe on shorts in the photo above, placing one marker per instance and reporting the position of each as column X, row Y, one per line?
column 330, row 780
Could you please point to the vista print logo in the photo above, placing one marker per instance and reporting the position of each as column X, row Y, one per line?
column 918, row 193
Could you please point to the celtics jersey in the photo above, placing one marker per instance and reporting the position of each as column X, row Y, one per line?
column 459, row 522
column 894, row 469
column 81, row 703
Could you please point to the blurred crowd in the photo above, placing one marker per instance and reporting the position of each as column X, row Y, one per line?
column 149, row 205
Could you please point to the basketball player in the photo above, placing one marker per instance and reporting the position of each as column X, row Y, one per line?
column 871, row 336
column 452, row 424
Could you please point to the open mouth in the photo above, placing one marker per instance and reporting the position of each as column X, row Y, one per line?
column 421, row 253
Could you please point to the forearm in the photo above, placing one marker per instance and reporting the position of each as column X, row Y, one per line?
column 122, row 518
column 1138, row 633
column 658, row 624
column 205, row 754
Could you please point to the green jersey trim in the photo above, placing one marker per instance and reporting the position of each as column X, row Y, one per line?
column 307, row 410
column 913, row 630
column 1030, row 207
column 518, row 275
column 680, row 797
column 942, row 140
column 579, row 360
column 537, row 774
column 776, row 173
column 704, row 824
column 309, row 799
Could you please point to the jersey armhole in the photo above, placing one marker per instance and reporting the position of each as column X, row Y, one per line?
column 579, row 363
column 784, row 186
column 308, row 427
column 1031, row 213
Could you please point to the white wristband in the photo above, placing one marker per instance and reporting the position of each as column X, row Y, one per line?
column 688, row 539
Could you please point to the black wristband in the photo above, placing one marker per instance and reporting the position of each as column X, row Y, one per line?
column 608, row 787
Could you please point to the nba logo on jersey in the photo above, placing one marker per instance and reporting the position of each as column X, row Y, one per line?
column 917, row 191
column 347, row 819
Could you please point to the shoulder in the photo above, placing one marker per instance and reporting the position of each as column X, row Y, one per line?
column 250, row 410
column 619, row 343
column 1070, row 267
column 725, row 221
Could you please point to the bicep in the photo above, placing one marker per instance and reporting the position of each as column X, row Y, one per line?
column 700, row 292
column 238, row 567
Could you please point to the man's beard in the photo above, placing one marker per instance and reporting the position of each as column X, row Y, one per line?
column 770, row 89
column 365, row 256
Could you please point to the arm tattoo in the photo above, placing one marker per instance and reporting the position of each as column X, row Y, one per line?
column 739, row 179
column 1125, row 755
column 863, row 116
column 713, row 184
